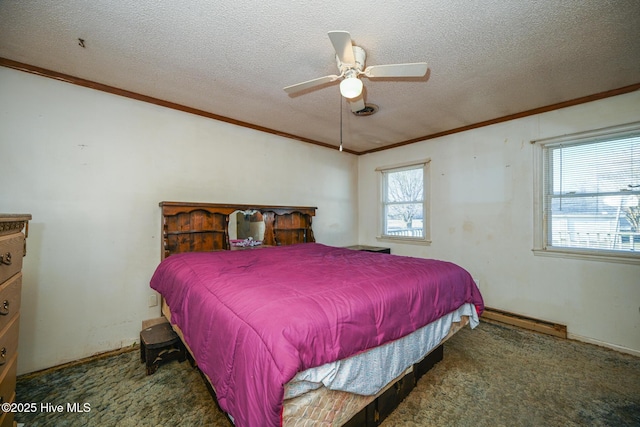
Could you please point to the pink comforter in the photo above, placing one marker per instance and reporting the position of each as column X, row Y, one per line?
column 255, row 318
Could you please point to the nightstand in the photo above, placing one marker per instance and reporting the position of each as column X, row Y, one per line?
column 370, row 249
column 158, row 344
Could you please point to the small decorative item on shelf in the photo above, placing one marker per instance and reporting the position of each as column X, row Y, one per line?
column 245, row 243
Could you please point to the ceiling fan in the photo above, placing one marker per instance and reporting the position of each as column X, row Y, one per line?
column 350, row 60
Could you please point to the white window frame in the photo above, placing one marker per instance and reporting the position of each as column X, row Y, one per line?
column 542, row 244
column 425, row 239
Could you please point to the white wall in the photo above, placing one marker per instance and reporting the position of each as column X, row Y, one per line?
column 482, row 219
column 91, row 168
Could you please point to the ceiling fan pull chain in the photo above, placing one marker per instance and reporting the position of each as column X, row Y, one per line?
column 341, row 123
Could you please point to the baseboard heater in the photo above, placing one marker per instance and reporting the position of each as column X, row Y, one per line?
column 524, row 322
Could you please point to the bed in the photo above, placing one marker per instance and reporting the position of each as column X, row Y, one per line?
column 294, row 332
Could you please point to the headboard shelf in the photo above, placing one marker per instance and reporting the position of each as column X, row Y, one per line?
column 171, row 233
column 198, row 227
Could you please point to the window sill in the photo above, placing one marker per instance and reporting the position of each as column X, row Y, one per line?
column 624, row 258
column 407, row 240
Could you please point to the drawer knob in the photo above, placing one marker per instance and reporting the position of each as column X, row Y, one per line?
column 6, row 258
column 4, row 309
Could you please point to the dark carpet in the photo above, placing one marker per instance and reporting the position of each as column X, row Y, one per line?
column 494, row 375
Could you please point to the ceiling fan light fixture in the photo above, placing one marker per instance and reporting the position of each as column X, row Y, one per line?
column 351, row 87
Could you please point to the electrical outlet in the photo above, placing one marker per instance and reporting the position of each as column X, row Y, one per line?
column 153, row 300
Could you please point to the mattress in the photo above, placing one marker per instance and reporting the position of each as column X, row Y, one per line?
column 369, row 372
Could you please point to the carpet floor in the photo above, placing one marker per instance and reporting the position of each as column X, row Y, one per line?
column 495, row 375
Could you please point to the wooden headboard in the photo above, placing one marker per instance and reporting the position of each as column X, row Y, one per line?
column 199, row 227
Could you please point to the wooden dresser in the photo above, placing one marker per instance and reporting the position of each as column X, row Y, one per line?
column 13, row 233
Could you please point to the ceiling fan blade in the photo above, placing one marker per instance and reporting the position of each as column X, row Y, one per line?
column 357, row 104
column 417, row 69
column 310, row 84
column 341, row 41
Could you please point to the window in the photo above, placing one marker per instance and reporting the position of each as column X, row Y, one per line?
column 404, row 202
column 589, row 193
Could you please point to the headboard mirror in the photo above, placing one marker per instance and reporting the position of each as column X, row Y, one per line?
column 247, row 225
column 197, row 227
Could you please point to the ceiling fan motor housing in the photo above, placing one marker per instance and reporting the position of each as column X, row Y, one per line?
column 360, row 57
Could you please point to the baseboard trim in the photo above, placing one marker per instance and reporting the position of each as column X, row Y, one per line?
column 82, row 361
column 524, row 322
column 618, row 348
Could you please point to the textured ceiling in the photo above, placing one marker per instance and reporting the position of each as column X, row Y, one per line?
column 487, row 59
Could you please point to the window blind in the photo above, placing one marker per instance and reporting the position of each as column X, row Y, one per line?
column 592, row 193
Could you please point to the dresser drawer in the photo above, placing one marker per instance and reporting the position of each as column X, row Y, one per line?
column 6, row 420
column 10, row 299
column 11, row 253
column 8, row 342
column 8, row 381
column 7, row 390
